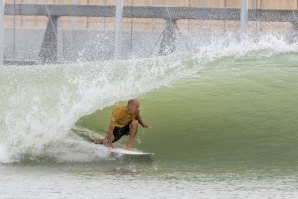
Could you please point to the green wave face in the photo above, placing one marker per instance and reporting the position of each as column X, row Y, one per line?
column 238, row 110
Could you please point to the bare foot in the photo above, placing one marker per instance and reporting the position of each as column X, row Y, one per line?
column 97, row 141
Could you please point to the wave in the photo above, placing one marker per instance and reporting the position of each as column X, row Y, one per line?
column 42, row 103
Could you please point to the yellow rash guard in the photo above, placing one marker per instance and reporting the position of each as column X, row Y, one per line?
column 121, row 118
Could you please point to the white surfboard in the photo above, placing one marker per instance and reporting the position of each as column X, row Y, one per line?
column 120, row 151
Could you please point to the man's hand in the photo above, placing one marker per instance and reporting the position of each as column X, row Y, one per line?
column 147, row 126
column 107, row 141
column 97, row 141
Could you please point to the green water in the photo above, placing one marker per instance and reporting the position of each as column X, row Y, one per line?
column 236, row 112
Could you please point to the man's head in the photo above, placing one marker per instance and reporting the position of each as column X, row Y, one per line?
column 133, row 106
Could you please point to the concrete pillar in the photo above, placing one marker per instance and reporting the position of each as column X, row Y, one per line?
column 294, row 36
column 168, row 42
column 48, row 51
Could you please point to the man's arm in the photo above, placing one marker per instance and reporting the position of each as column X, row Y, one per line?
column 110, row 136
column 141, row 122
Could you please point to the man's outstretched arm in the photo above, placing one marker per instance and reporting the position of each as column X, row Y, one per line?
column 142, row 123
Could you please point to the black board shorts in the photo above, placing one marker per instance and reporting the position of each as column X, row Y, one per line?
column 119, row 132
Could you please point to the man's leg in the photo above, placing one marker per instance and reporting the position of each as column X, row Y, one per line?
column 133, row 131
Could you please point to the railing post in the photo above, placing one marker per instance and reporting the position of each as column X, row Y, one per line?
column 118, row 29
column 255, row 27
column 244, row 15
column 2, row 9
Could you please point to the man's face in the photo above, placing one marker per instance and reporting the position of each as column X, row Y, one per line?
column 133, row 107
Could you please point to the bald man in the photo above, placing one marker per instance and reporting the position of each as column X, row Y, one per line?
column 125, row 121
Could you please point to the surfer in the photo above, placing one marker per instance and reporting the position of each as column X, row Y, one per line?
column 124, row 121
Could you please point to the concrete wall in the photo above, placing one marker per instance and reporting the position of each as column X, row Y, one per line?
column 138, row 24
column 84, row 45
column 91, row 39
column 79, row 45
